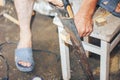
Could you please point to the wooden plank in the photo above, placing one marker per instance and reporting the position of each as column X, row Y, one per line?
column 65, row 37
column 11, row 18
column 100, row 21
column 108, row 30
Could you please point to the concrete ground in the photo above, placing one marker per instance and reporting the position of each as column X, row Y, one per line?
column 45, row 50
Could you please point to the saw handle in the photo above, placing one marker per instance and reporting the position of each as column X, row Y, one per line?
column 68, row 8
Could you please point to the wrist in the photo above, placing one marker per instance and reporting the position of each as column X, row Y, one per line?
column 82, row 17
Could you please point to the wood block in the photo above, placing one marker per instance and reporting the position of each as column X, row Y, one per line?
column 100, row 21
column 65, row 37
column 2, row 2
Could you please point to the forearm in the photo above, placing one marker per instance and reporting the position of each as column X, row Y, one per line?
column 83, row 18
column 87, row 8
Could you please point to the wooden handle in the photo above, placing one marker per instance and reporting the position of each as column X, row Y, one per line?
column 70, row 12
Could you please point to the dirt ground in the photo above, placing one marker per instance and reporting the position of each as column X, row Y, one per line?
column 45, row 50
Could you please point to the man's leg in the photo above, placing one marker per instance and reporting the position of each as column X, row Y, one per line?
column 24, row 11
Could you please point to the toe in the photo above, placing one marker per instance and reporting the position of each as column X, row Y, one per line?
column 25, row 64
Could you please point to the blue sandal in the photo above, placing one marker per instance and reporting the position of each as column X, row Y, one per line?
column 24, row 54
column 110, row 5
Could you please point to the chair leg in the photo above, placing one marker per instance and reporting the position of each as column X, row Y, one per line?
column 104, row 61
column 64, row 53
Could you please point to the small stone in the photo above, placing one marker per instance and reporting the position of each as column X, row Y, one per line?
column 37, row 78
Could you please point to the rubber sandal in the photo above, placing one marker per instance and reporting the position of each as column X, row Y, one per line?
column 24, row 54
column 110, row 5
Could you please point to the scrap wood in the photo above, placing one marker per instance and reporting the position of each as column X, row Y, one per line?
column 11, row 18
column 65, row 37
column 101, row 18
column 101, row 21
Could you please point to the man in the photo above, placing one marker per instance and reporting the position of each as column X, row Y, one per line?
column 23, row 53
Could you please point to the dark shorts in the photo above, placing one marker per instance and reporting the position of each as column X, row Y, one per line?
column 109, row 5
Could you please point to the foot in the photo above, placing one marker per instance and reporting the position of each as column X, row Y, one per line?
column 24, row 59
column 25, row 42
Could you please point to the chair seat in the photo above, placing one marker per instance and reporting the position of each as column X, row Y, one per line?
column 107, row 31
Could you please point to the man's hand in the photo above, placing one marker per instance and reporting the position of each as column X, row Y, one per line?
column 83, row 19
column 84, row 25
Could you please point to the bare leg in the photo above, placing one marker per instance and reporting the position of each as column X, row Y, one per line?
column 24, row 11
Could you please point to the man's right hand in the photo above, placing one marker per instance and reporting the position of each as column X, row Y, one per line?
column 83, row 19
column 84, row 25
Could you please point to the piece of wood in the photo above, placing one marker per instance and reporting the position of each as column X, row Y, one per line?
column 100, row 21
column 2, row 2
column 107, row 31
column 11, row 18
column 65, row 37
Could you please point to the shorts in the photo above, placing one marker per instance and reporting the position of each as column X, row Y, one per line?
column 109, row 5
